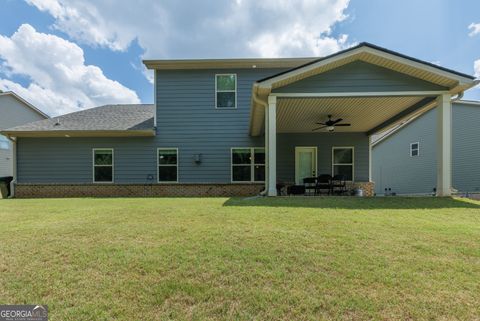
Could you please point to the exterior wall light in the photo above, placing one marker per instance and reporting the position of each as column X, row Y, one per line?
column 197, row 158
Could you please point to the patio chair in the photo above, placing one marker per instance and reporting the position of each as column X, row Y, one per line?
column 324, row 182
column 310, row 184
column 339, row 185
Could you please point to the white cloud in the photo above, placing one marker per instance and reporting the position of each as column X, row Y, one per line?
column 475, row 29
column 476, row 68
column 214, row 28
column 60, row 80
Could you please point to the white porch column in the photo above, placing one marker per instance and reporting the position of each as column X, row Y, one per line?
column 444, row 145
column 369, row 158
column 271, row 145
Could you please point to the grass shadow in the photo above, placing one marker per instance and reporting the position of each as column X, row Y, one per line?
column 356, row 202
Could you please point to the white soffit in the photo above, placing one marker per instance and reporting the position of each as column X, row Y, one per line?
column 364, row 113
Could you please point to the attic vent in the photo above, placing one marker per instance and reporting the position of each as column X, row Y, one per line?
column 57, row 122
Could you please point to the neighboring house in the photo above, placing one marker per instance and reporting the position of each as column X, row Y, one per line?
column 404, row 160
column 14, row 111
column 238, row 126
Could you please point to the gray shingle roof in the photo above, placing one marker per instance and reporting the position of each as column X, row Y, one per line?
column 104, row 118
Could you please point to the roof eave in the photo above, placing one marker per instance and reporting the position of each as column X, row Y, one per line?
column 370, row 48
column 241, row 63
column 81, row 133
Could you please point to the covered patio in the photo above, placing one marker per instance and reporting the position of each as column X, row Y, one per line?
column 371, row 89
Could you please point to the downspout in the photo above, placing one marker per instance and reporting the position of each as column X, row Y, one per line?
column 14, row 166
column 264, row 104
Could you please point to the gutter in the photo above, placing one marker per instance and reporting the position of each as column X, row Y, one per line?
column 80, row 133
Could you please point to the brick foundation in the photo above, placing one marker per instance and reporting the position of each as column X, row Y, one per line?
column 368, row 187
column 135, row 190
column 155, row 190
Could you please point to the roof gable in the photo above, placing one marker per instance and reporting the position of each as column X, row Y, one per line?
column 451, row 82
column 359, row 76
column 374, row 55
column 24, row 102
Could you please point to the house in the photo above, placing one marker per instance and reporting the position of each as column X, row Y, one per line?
column 14, row 111
column 238, row 127
column 404, row 160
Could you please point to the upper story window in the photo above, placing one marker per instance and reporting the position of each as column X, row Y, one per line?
column 103, row 165
column 226, row 91
column 4, row 143
column 414, row 149
column 342, row 162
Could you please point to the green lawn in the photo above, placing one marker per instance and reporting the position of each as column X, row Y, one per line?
column 245, row 259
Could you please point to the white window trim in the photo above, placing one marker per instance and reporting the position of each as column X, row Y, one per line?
column 252, row 165
column 112, row 166
column 226, row 91
column 352, row 164
column 158, row 165
column 411, row 149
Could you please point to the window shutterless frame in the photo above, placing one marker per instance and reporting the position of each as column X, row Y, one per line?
column 252, row 164
column 94, row 166
column 414, row 149
column 346, row 164
column 159, row 165
column 228, row 91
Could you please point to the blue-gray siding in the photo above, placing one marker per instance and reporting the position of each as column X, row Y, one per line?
column 69, row 160
column 394, row 168
column 324, row 142
column 466, row 148
column 187, row 120
column 359, row 76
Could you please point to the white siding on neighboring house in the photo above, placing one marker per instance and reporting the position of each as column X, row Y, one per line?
column 6, row 168
column 13, row 112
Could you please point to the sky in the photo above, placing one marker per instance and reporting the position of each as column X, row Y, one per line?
column 68, row 55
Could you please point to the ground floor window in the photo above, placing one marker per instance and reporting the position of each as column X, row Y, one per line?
column 103, row 165
column 167, row 165
column 342, row 162
column 248, row 164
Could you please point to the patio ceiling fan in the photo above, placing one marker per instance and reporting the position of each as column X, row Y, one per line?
column 330, row 124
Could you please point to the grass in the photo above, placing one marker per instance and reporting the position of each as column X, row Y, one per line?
column 244, row 259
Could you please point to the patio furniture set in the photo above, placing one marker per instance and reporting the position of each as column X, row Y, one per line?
column 313, row 186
